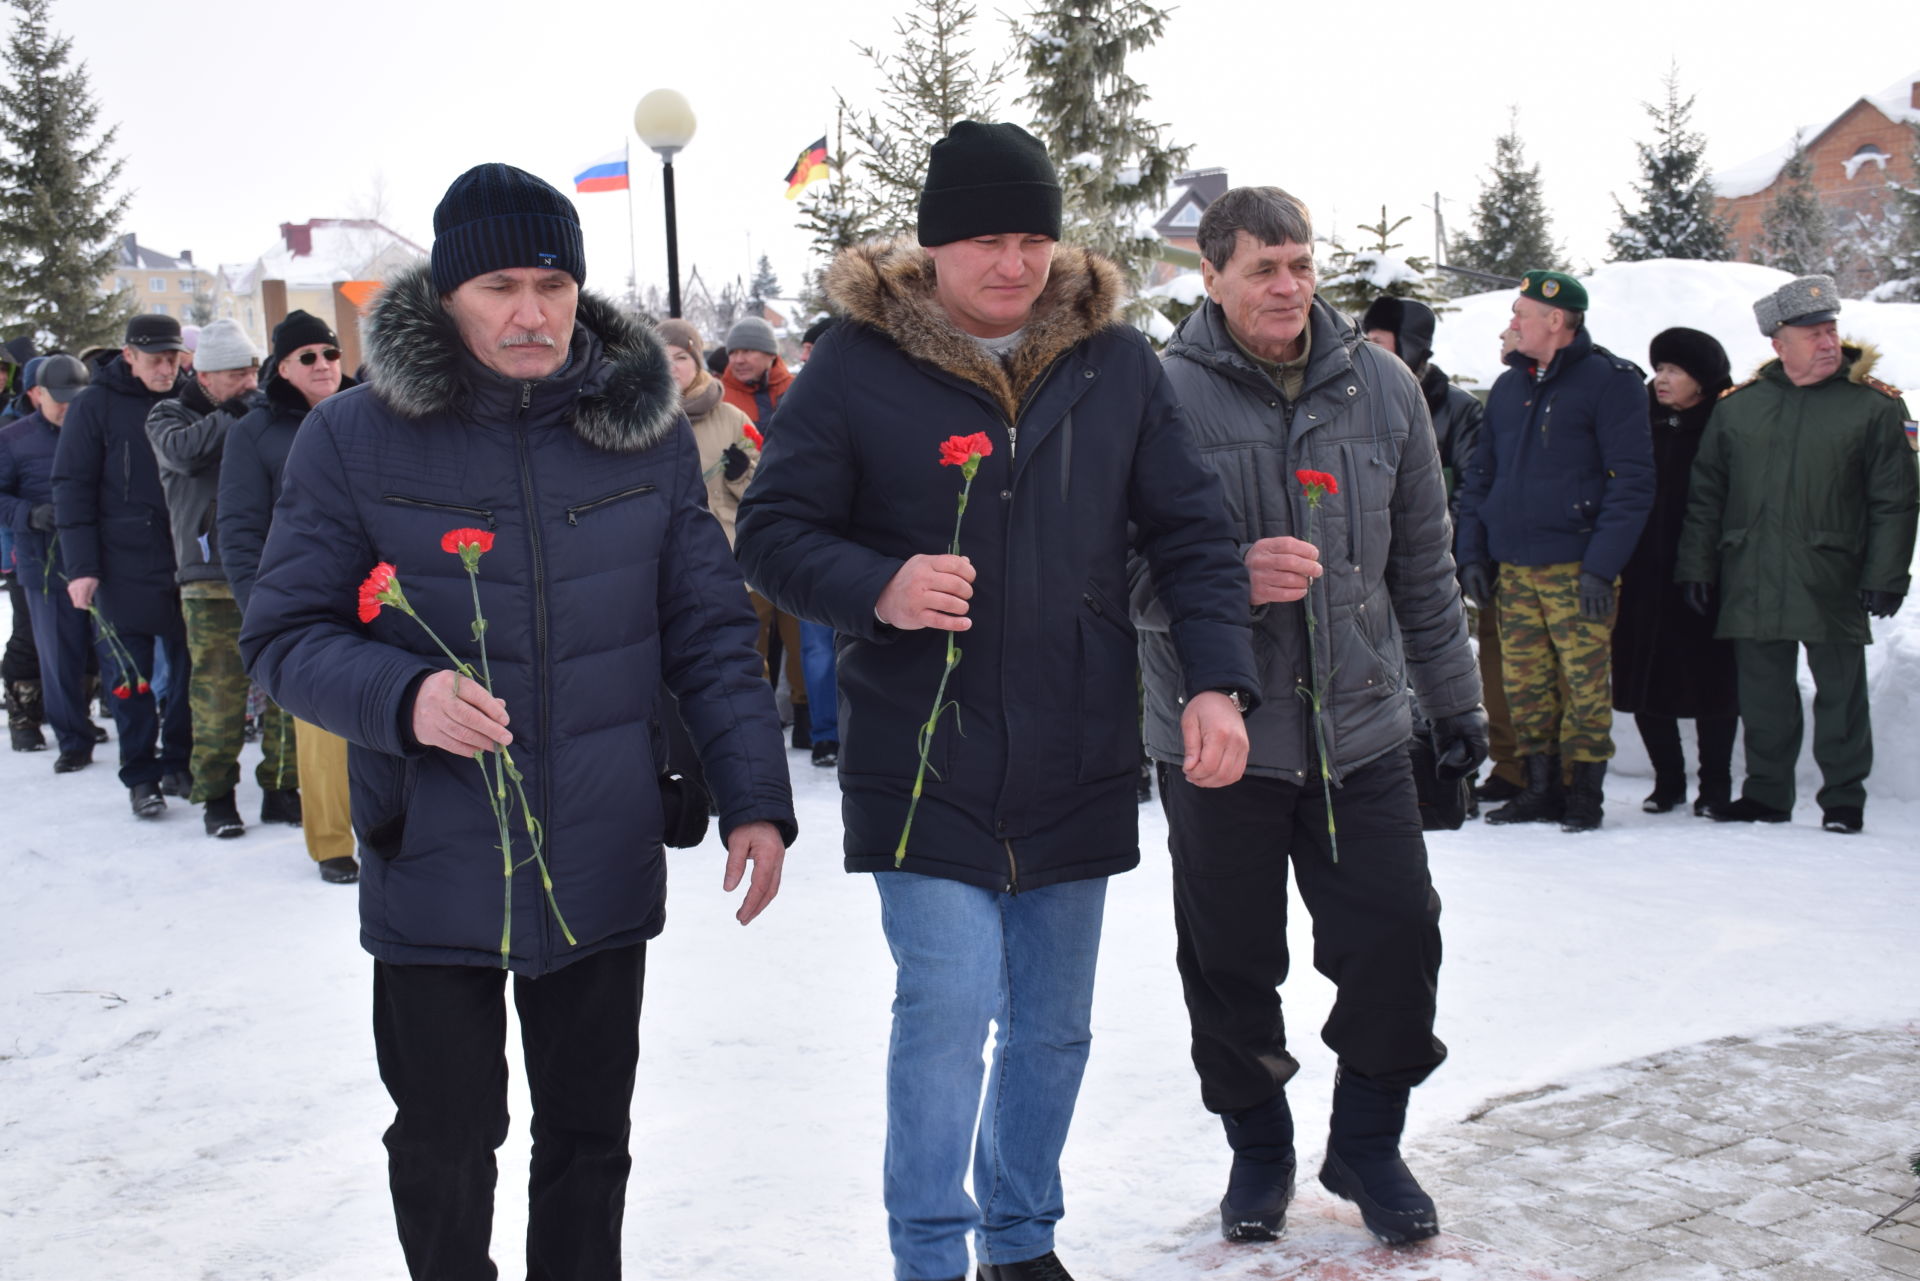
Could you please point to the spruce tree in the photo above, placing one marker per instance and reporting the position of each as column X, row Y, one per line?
column 59, row 214
column 1796, row 231
column 1114, row 164
column 1356, row 277
column 764, row 285
column 1511, row 233
column 1676, row 218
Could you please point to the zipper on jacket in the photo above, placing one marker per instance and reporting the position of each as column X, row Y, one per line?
column 1013, row 869
column 402, row 500
column 542, row 663
column 573, row 513
column 526, row 396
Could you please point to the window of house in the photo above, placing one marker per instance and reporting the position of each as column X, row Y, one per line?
column 1188, row 215
column 186, row 284
column 1866, row 153
column 121, row 282
column 157, row 284
column 159, row 309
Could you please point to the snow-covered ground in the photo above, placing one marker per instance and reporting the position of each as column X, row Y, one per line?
column 1633, row 301
column 187, row 1086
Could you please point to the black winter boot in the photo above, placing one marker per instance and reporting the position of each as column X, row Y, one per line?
column 1045, row 1268
column 1543, row 801
column 1363, row 1162
column 24, row 716
column 222, row 817
column 1661, row 734
column 280, row 805
column 1716, row 735
column 1586, row 799
column 1260, row 1184
column 802, row 728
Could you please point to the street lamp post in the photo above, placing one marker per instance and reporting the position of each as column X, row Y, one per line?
column 665, row 123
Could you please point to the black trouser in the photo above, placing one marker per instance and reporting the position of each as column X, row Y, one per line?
column 21, row 661
column 148, row 723
column 1661, row 734
column 1376, row 925
column 440, row 1032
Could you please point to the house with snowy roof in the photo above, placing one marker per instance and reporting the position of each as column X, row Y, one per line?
column 157, row 283
column 1852, row 158
column 310, row 258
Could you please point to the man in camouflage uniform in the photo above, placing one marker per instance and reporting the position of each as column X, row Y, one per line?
column 1553, row 503
column 189, row 434
column 1802, row 512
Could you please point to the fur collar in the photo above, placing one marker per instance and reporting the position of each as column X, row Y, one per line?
column 890, row 286
column 419, row 366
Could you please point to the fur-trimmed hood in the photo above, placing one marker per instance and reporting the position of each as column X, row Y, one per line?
column 890, row 286
column 419, row 366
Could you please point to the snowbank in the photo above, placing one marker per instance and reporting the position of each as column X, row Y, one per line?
column 1633, row 301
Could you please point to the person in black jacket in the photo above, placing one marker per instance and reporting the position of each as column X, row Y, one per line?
column 116, row 540
column 302, row 370
column 1666, row 664
column 1404, row 326
column 990, row 339
column 512, row 413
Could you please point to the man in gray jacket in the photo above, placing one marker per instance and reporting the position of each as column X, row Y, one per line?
column 189, row 435
column 1349, row 599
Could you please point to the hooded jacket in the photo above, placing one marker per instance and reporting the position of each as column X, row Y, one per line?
column 251, row 468
column 1564, row 470
column 607, row 574
column 1387, row 608
column 188, row 435
column 1031, row 778
column 1802, row 498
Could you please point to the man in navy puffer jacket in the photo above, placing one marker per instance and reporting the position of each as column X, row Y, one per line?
column 504, row 400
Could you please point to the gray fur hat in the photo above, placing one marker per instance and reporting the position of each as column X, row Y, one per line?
column 224, row 345
column 1810, row 300
column 751, row 333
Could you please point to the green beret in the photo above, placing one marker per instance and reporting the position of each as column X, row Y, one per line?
column 1554, row 288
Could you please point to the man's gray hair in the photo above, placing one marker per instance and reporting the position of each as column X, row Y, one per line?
column 1268, row 214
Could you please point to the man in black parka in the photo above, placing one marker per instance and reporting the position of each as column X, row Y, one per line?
column 511, row 411
column 988, row 329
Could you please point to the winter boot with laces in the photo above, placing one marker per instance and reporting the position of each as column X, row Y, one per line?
column 1260, row 1184
column 1586, row 799
column 1363, row 1162
column 1045, row 1268
column 24, row 716
column 1543, row 800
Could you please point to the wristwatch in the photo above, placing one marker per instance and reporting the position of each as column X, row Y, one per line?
column 1237, row 697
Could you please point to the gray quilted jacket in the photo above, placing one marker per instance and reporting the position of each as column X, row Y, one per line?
column 1388, row 607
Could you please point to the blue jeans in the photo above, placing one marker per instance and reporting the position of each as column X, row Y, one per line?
column 966, row 957
column 823, row 694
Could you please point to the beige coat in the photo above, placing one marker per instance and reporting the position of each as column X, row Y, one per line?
column 716, row 424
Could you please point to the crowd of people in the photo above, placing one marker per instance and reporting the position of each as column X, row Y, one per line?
column 586, row 552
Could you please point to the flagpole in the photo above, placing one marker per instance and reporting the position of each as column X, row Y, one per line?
column 633, row 265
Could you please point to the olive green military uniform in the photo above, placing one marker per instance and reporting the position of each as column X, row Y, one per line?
column 1802, row 498
column 217, row 697
column 1555, row 665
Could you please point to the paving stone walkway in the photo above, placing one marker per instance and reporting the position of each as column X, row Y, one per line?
column 1743, row 1159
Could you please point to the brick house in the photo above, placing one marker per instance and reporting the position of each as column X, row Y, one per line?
column 1853, row 158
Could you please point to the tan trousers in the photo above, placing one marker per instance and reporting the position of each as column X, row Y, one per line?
column 1500, row 740
column 789, row 643
column 325, row 815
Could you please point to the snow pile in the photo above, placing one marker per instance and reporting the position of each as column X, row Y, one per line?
column 1756, row 175
column 1633, row 301
column 1187, row 288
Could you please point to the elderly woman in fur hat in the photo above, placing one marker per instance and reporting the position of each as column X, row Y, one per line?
column 1667, row 666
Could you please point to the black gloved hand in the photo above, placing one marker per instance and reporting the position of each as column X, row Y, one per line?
column 237, row 406
column 1879, row 604
column 736, row 460
column 1476, row 580
column 41, row 518
column 1596, row 597
column 1699, row 597
column 1459, row 744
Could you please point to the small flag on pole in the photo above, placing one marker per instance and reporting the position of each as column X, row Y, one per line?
column 608, row 173
column 810, row 168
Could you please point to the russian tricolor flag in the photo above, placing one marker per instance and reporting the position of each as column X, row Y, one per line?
column 608, row 173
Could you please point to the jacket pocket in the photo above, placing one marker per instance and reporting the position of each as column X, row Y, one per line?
column 575, row 512
column 1109, row 738
column 380, row 791
column 434, row 504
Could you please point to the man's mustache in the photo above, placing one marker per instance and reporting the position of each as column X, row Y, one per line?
column 529, row 338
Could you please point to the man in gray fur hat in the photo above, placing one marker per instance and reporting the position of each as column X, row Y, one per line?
column 1803, row 552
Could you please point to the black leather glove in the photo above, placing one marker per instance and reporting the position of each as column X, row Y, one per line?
column 41, row 518
column 237, row 406
column 1596, row 597
column 1476, row 580
column 1459, row 744
column 736, row 460
column 1879, row 604
column 1699, row 597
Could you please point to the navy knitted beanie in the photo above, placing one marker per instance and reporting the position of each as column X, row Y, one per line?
column 496, row 216
column 988, row 180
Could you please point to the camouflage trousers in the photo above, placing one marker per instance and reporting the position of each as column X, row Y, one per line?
column 1556, row 666
column 217, row 697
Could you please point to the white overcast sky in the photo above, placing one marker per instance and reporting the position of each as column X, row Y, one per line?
column 235, row 116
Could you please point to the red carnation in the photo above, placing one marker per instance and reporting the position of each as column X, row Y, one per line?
column 458, row 540
column 373, row 592
column 143, row 687
column 958, row 451
column 121, row 691
column 752, row 433
column 1323, row 481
